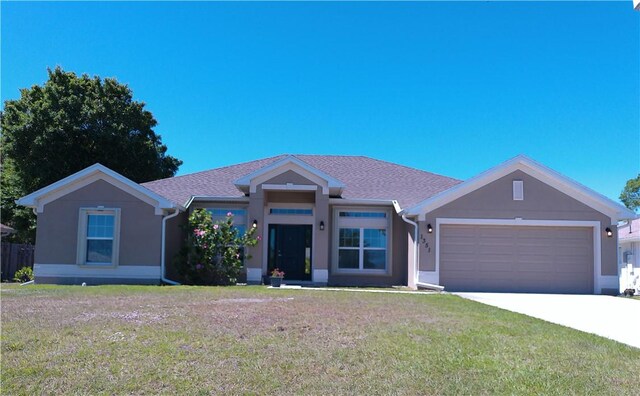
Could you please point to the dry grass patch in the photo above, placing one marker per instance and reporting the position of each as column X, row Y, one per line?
column 237, row 340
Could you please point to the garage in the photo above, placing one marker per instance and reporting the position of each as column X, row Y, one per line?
column 514, row 258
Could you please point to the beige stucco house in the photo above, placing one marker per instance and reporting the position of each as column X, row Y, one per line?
column 340, row 220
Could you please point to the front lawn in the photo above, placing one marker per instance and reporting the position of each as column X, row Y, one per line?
column 238, row 340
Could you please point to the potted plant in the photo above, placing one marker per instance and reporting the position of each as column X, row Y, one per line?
column 276, row 277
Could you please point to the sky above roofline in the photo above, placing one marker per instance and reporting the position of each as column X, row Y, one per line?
column 450, row 88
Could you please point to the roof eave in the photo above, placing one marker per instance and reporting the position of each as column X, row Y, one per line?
column 33, row 200
column 590, row 197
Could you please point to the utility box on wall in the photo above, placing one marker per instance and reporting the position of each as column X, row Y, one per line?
column 628, row 258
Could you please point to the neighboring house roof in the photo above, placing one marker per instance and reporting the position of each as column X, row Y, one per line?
column 629, row 232
column 547, row 175
column 87, row 176
column 359, row 177
column 6, row 230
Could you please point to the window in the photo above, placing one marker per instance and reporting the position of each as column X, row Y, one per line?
column 289, row 211
column 239, row 221
column 364, row 214
column 98, row 233
column 239, row 217
column 362, row 241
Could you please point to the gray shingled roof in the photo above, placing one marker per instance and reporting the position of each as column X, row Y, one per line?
column 364, row 177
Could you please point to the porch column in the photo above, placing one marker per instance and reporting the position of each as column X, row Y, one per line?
column 321, row 240
column 256, row 212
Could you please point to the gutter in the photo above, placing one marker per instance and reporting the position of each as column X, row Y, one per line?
column 162, row 248
column 416, row 270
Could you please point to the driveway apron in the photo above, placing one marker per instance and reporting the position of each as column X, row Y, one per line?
column 616, row 318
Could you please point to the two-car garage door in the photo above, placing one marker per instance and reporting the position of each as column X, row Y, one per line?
column 501, row 258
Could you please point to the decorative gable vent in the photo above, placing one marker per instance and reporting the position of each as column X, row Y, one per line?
column 518, row 190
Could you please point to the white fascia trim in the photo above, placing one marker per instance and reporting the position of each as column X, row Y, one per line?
column 209, row 198
column 96, row 271
column 546, row 175
column 599, row 281
column 290, row 187
column 87, row 176
column 246, row 181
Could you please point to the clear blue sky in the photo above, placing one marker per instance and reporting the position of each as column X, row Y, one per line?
column 452, row 88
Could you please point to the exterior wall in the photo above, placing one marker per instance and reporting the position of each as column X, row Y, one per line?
column 290, row 197
column 57, row 231
column 398, row 261
column 321, row 240
column 175, row 237
column 541, row 202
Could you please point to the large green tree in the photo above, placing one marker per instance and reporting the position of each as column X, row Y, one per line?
column 630, row 195
column 67, row 124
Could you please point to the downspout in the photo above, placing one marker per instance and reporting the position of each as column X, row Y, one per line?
column 415, row 250
column 416, row 267
column 162, row 252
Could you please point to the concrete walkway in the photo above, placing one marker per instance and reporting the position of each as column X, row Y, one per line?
column 616, row 318
column 352, row 289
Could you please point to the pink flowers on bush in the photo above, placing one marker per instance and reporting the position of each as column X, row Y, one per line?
column 198, row 232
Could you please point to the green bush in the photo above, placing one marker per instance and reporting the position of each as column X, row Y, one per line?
column 213, row 252
column 24, row 274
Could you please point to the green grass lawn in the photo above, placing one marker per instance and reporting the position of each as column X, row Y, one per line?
column 239, row 340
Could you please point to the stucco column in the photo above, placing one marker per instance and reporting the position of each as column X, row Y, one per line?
column 321, row 240
column 256, row 212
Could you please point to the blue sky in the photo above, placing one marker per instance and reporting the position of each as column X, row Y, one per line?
column 452, row 88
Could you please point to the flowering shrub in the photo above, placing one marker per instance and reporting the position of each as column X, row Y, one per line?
column 276, row 273
column 213, row 252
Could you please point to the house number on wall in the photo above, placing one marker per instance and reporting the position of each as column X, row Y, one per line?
column 425, row 243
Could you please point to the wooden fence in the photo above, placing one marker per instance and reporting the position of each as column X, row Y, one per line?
column 15, row 256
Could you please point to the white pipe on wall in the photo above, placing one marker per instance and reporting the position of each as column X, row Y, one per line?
column 162, row 247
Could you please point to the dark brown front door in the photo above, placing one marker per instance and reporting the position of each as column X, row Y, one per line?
column 290, row 250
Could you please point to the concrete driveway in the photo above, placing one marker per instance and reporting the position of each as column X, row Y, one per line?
column 616, row 318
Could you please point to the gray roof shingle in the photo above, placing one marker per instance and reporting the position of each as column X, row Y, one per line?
column 364, row 177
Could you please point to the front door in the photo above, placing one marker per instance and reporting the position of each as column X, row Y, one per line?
column 290, row 250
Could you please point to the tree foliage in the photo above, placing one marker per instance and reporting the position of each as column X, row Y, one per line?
column 213, row 252
column 67, row 124
column 630, row 195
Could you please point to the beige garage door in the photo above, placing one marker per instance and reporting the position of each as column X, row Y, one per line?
column 516, row 259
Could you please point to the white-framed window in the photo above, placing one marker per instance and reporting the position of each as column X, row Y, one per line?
column 362, row 240
column 98, row 236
